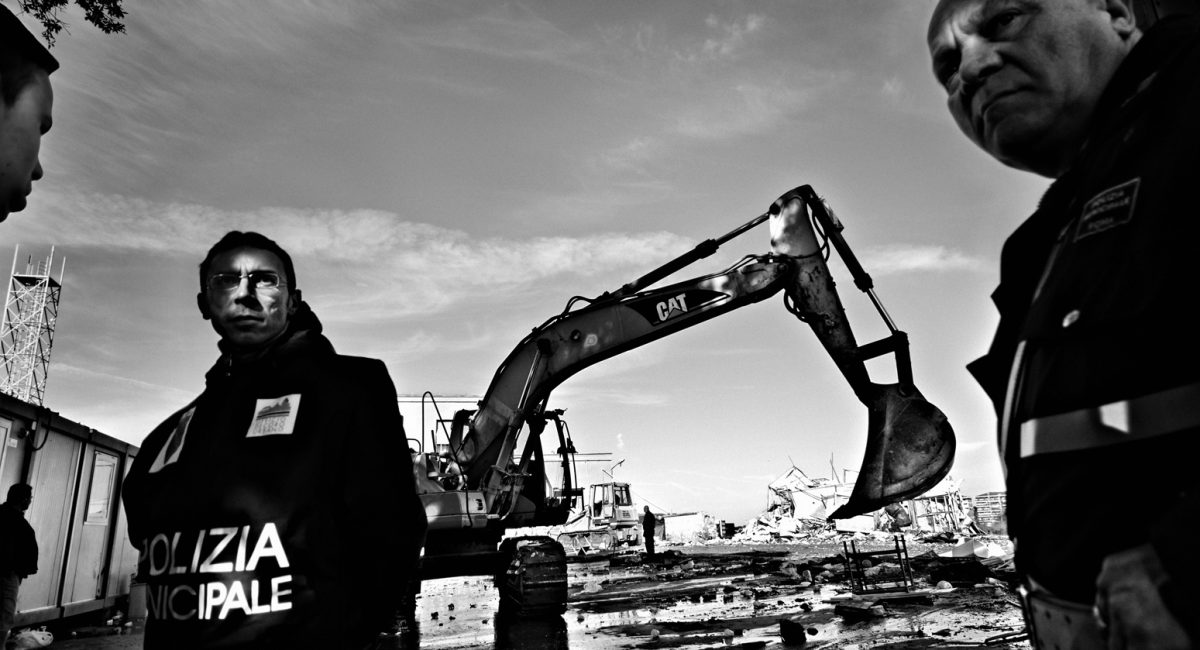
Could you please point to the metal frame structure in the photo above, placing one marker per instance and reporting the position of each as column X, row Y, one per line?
column 27, row 328
column 866, row 578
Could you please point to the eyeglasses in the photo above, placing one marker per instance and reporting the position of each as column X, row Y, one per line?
column 229, row 282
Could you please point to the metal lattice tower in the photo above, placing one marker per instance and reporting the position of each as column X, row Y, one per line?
column 27, row 328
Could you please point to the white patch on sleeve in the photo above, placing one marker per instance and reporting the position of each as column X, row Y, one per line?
column 274, row 416
column 174, row 447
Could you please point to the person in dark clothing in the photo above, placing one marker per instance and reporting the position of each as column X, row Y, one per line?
column 278, row 509
column 1093, row 374
column 18, row 553
column 649, row 524
column 26, row 103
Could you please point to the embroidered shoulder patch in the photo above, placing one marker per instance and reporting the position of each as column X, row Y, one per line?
column 275, row 416
column 1108, row 209
column 170, row 451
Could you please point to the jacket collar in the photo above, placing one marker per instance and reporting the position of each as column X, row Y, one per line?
column 301, row 339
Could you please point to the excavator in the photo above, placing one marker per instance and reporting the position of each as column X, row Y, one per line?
column 492, row 475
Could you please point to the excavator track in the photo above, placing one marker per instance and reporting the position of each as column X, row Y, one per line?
column 534, row 581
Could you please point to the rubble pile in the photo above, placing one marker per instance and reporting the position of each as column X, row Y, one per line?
column 798, row 508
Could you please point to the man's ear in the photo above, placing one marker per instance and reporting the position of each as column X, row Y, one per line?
column 1124, row 21
column 202, row 303
column 294, row 299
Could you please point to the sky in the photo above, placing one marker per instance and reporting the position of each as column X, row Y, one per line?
column 447, row 175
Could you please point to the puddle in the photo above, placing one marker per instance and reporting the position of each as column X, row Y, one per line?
column 736, row 601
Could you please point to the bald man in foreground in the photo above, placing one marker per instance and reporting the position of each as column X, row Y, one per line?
column 1094, row 374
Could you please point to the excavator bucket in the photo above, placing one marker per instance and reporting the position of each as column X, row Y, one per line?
column 910, row 447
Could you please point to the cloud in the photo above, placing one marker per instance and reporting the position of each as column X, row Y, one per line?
column 901, row 259
column 393, row 267
column 631, row 155
column 591, row 395
column 732, row 35
column 893, row 89
column 503, row 30
column 108, row 379
column 424, row 342
column 745, row 109
column 679, row 47
column 116, row 405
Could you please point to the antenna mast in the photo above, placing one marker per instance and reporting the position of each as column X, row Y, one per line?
column 27, row 328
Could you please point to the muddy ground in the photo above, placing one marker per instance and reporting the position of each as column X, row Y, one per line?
column 721, row 596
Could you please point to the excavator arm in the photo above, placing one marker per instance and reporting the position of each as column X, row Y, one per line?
column 579, row 338
column 910, row 445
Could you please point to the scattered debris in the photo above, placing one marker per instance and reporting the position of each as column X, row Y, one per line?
column 31, row 638
column 798, row 508
column 855, row 611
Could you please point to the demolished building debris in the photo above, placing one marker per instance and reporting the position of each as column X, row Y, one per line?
column 799, row 506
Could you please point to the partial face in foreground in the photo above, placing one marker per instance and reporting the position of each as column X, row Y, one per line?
column 1022, row 77
column 22, row 125
column 247, row 298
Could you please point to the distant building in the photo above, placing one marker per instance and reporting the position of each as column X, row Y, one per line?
column 686, row 527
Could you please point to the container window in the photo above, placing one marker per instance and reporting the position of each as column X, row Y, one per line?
column 104, row 471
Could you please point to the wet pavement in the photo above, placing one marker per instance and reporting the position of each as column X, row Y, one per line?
column 716, row 597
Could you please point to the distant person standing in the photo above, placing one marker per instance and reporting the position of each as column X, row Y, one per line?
column 18, row 553
column 649, row 524
column 277, row 510
column 26, row 100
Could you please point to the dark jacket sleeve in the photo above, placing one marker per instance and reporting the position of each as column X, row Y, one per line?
column 131, row 485
column 28, row 556
column 18, row 543
column 380, row 495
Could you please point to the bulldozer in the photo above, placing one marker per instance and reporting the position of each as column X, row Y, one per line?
column 490, row 472
column 612, row 521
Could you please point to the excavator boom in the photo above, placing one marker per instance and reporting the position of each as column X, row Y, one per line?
column 579, row 338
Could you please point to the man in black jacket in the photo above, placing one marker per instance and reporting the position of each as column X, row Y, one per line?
column 1094, row 376
column 18, row 553
column 277, row 510
column 649, row 525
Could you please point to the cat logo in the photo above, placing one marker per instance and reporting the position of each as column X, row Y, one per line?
column 668, row 307
column 659, row 310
